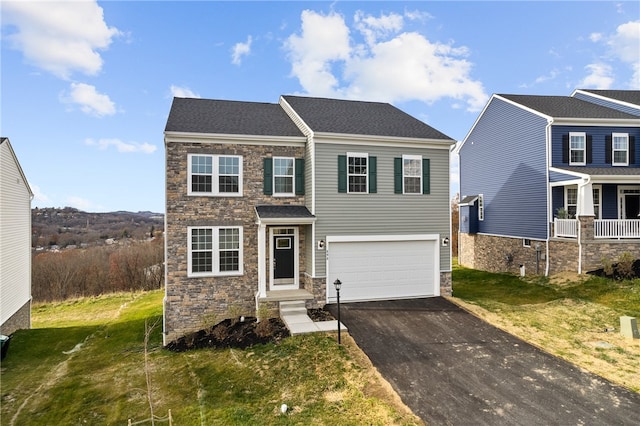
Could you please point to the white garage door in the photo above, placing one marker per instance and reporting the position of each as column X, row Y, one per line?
column 383, row 267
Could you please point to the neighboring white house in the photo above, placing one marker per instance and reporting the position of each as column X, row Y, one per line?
column 15, row 243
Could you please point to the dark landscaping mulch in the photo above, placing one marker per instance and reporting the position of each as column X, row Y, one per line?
column 233, row 334
column 241, row 334
column 600, row 272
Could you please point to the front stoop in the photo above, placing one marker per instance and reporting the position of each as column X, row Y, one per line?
column 294, row 315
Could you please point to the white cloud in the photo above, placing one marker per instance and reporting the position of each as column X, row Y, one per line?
column 79, row 203
column 121, row 146
column 59, row 37
column 599, row 76
column 595, row 37
column 625, row 45
column 39, row 197
column 390, row 66
column 90, row 101
column 183, row 92
column 239, row 50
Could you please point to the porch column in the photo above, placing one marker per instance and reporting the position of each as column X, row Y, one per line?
column 585, row 199
column 262, row 260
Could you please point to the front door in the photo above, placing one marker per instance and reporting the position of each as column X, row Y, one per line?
column 632, row 206
column 284, row 255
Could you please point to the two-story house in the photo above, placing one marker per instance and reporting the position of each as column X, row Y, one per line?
column 15, row 243
column 551, row 183
column 271, row 202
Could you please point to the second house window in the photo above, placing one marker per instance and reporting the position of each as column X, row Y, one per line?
column 215, row 175
column 357, row 172
column 283, row 175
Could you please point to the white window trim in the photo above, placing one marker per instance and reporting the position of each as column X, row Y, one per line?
column 214, row 177
column 566, row 199
column 614, row 150
column 480, row 207
column 358, row 154
column 584, row 150
column 412, row 157
column 526, row 242
column 293, row 178
column 597, row 208
column 215, row 251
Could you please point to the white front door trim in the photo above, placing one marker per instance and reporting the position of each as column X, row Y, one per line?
column 296, row 258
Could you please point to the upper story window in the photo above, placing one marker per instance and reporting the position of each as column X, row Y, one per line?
column 412, row 174
column 215, row 175
column 357, row 176
column 215, row 251
column 283, row 175
column 620, row 149
column 577, row 148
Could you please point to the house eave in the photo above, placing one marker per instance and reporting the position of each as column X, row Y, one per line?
column 351, row 139
column 571, row 121
column 213, row 138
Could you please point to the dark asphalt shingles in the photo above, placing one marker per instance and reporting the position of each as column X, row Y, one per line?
column 452, row 368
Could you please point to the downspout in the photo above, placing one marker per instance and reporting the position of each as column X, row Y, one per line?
column 549, row 200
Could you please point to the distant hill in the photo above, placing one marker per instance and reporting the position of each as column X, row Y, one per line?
column 69, row 226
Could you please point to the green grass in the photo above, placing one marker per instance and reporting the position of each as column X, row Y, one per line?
column 83, row 363
column 487, row 288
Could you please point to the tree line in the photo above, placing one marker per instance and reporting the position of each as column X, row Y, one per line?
column 97, row 270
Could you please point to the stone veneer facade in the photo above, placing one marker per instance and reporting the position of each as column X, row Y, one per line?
column 194, row 302
column 491, row 253
column 18, row 321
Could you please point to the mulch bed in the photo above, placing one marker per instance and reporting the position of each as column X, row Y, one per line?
column 240, row 334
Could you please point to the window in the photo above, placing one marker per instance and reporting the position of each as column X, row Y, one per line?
column 596, row 200
column 480, row 207
column 571, row 201
column 526, row 242
column 283, row 175
column 412, row 174
column 357, row 173
column 620, row 146
column 215, row 251
column 577, row 148
column 216, row 175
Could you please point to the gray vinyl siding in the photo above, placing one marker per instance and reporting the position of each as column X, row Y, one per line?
column 382, row 213
column 609, row 104
column 504, row 158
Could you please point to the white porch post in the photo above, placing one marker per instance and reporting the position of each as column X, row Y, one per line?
column 585, row 199
column 262, row 260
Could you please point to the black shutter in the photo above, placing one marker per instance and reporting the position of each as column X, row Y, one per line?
column 426, row 176
column 565, row 148
column 607, row 149
column 589, row 149
column 268, row 176
column 373, row 175
column 632, row 150
column 299, row 176
column 342, row 173
column 397, row 175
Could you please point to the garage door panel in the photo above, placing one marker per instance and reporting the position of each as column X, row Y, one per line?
column 373, row 270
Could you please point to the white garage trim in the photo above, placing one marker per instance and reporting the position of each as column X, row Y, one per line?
column 429, row 264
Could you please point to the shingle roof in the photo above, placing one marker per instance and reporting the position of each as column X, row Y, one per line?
column 604, row 171
column 283, row 211
column 229, row 117
column 360, row 118
column 567, row 107
column 629, row 96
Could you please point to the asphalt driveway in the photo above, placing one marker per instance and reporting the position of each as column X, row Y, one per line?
column 452, row 368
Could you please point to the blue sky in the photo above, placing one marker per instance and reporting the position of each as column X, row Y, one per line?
column 87, row 86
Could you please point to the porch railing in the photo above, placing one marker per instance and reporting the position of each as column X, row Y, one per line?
column 616, row 228
column 565, row 228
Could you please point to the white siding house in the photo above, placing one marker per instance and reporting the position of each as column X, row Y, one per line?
column 15, row 243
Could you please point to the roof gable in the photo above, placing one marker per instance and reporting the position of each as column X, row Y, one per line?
column 195, row 115
column 360, row 118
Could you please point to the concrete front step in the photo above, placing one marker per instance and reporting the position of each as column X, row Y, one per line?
column 294, row 315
